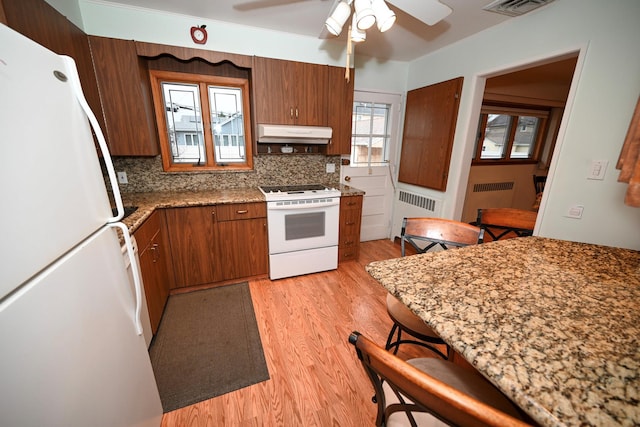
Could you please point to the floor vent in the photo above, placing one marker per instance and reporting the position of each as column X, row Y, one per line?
column 493, row 186
column 418, row 200
column 515, row 7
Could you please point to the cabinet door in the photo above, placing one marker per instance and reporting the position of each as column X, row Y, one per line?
column 192, row 238
column 350, row 222
column 429, row 128
column 272, row 92
column 243, row 248
column 310, row 94
column 126, row 97
column 288, row 92
column 153, row 253
column 340, row 109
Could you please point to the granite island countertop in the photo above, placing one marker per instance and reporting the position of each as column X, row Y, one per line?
column 554, row 324
column 148, row 202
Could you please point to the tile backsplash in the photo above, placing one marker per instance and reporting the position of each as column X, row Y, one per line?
column 146, row 174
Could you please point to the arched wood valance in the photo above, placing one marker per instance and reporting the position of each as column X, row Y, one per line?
column 152, row 50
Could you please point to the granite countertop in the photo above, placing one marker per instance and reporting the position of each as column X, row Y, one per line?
column 554, row 324
column 148, row 202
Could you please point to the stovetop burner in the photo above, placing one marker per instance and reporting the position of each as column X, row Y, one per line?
column 304, row 191
column 292, row 188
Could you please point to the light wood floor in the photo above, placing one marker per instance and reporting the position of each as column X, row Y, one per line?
column 316, row 379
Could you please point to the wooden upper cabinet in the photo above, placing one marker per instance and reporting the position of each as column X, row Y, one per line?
column 429, row 128
column 40, row 22
column 125, row 93
column 288, row 92
column 340, row 109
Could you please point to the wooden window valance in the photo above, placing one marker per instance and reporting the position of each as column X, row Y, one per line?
column 629, row 161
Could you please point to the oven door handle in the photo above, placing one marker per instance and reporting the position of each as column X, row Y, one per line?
column 275, row 207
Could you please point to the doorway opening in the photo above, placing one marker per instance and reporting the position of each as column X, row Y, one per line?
column 518, row 126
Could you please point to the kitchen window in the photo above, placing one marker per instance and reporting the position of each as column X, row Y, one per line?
column 509, row 135
column 203, row 121
column 371, row 134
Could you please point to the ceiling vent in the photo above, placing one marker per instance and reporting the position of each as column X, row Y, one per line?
column 515, row 7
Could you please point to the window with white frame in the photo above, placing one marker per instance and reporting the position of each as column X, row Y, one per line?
column 371, row 133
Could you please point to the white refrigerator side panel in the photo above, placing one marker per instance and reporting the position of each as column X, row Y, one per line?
column 52, row 192
column 70, row 353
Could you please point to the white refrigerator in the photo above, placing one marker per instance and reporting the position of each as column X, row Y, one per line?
column 72, row 351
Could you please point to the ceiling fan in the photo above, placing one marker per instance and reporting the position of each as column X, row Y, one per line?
column 366, row 13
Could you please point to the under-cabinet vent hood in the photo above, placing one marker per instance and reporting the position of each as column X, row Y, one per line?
column 515, row 7
column 288, row 134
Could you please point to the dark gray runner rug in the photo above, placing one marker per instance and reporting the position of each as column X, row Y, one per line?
column 207, row 344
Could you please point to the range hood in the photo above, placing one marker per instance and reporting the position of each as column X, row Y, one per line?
column 289, row 134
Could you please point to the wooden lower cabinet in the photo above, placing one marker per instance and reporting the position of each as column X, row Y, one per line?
column 242, row 240
column 154, row 265
column 216, row 243
column 193, row 235
column 350, row 222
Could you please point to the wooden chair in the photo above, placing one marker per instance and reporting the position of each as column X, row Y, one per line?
column 505, row 223
column 431, row 391
column 538, row 182
column 424, row 234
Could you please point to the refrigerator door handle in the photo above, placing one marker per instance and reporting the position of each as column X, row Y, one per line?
column 135, row 268
column 102, row 143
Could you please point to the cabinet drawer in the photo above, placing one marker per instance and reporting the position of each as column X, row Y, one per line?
column 238, row 211
column 147, row 231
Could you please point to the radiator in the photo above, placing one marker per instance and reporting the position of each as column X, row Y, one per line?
column 408, row 204
column 489, row 194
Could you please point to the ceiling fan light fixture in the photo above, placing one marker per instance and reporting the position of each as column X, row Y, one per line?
column 357, row 35
column 336, row 20
column 364, row 14
column 385, row 17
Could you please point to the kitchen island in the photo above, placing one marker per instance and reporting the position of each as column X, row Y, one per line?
column 554, row 324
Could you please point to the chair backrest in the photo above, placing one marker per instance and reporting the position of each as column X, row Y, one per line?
column 538, row 182
column 438, row 232
column 427, row 394
column 504, row 223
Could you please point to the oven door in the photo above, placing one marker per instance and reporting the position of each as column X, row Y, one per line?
column 303, row 224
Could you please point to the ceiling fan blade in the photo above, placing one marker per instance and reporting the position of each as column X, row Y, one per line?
column 259, row 4
column 428, row 11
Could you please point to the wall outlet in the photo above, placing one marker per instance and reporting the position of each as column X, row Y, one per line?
column 331, row 167
column 122, row 177
column 575, row 212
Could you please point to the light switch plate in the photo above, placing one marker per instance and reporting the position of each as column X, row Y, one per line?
column 331, row 167
column 598, row 169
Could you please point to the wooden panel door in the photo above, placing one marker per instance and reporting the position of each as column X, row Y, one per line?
column 192, row 238
column 339, row 109
column 126, row 97
column 429, row 128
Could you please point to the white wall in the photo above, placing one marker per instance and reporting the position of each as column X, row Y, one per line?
column 113, row 20
column 599, row 109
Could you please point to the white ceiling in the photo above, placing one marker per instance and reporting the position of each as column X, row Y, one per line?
column 407, row 40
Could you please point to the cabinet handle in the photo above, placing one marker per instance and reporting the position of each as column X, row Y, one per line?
column 291, row 112
column 242, row 212
column 349, row 223
column 154, row 248
column 296, row 112
column 351, row 203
